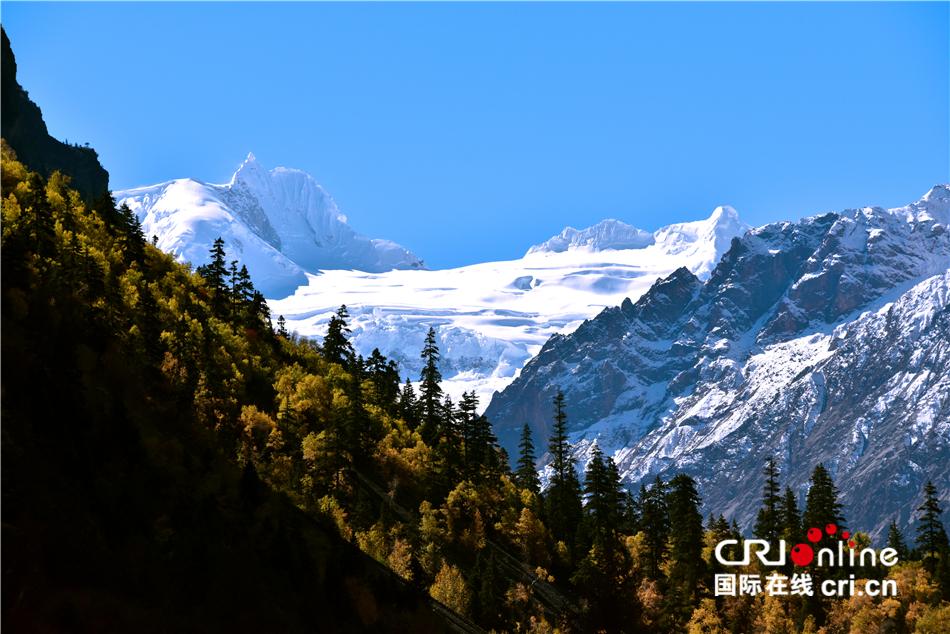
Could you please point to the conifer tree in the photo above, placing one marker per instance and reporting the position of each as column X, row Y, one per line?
column 562, row 502
column 599, row 493
column 134, row 237
column 768, row 521
column 896, row 541
column 282, row 327
column 655, row 523
column 931, row 535
column 686, row 541
column 336, row 346
column 408, row 405
column 526, row 474
column 430, row 397
column 790, row 518
column 215, row 272
column 821, row 504
column 468, row 406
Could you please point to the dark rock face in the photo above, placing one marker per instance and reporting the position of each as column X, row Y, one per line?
column 822, row 341
column 25, row 131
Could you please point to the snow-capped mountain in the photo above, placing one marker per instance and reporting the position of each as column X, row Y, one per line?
column 825, row 340
column 492, row 317
column 281, row 223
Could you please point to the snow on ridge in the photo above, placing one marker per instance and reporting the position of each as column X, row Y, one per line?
column 281, row 223
column 492, row 317
column 717, row 230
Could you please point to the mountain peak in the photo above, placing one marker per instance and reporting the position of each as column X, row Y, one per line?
column 250, row 171
column 723, row 213
column 280, row 223
column 606, row 234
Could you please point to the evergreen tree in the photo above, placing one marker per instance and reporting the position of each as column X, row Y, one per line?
column 336, row 346
column 821, row 504
column 487, row 458
column 655, row 524
column 790, row 524
column 562, row 501
column 526, row 474
column 821, row 509
column 134, row 237
column 408, row 405
column 896, row 541
column 768, row 524
column 384, row 375
column 468, row 406
column 931, row 536
column 215, row 272
column 686, row 542
column 259, row 311
column 282, row 327
column 430, row 389
column 600, row 494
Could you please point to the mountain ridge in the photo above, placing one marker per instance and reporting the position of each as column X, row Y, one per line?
column 649, row 387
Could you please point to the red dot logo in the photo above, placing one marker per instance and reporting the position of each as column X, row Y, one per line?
column 802, row 554
column 845, row 534
column 831, row 529
column 814, row 535
column 852, row 544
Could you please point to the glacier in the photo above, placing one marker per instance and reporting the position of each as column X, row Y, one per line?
column 280, row 223
column 491, row 318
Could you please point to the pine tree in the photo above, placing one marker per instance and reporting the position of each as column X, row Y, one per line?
column 468, row 406
column 655, row 523
column 134, row 237
column 599, row 494
column 409, row 406
column 562, row 461
column 562, row 502
column 768, row 521
column 686, row 543
column 215, row 272
column 282, row 327
column 931, row 535
column 430, row 389
column 526, row 474
column 821, row 504
column 896, row 541
column 336, row 346
column 790, row 519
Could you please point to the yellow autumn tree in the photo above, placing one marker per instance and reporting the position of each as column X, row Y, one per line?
column 450, row 589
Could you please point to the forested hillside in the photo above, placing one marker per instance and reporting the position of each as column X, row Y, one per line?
column 175, row 460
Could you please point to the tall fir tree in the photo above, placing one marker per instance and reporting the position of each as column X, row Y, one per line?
column 896, row 541
column 408, row 405
column 821, row 505
column 215, row 273
column 600, row 493
column 336, row 345
column 655, row 524
column 931, row 536
column 790, row 519
column 768, row 521
column 430, row 390
column 686, row 541
column 526, row 473
column 562, row 501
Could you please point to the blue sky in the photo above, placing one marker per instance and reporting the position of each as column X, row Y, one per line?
column 468, row 132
